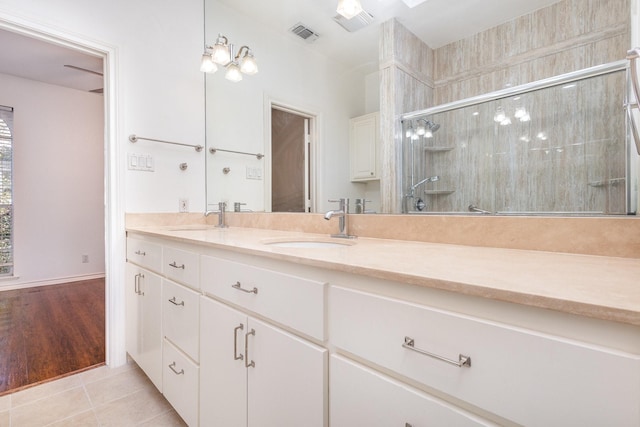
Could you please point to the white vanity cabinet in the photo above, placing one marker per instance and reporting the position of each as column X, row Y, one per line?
column 524, row 376
column 364, row 143
column 363, row 397
column 143, row 293
column 254, row 373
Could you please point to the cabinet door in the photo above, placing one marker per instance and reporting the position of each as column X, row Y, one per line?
column 363, row 150
column 143, row 299
column 223, row 375
column 287, row 385
column 363, row 397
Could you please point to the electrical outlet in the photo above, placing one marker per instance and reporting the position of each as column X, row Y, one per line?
column 85, row 259
column 183, row 205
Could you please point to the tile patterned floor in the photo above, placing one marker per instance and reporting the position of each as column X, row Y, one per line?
column 102, row 396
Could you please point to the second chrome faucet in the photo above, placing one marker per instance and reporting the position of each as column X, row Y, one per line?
column 343, row 219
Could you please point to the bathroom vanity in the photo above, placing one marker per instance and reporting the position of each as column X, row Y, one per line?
column 259, row 327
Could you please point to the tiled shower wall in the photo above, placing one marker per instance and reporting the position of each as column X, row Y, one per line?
column 566, row 36
column 496, row 167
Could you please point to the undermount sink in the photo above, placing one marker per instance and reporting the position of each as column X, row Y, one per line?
column 311, row 243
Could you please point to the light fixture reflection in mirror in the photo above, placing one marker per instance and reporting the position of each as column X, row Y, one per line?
column 222, row 53
column 349, row 8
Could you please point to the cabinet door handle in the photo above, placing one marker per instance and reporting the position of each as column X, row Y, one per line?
column 139, row 252
column 136, row 284
column 248, row 364
column 173, row 368
column 239, row 287
column 175, row 265
column 173, row 301
column 409, row 343
column 236, row 356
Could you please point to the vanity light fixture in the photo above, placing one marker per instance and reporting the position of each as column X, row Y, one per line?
column 221, row 53
column 349, row 8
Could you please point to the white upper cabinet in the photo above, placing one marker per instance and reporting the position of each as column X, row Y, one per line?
column 364, row 147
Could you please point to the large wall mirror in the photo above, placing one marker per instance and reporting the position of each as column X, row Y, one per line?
column 278, row 140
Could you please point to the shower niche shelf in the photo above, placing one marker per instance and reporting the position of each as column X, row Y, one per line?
column 438, row 192
column 438, row 149
column 607, row 182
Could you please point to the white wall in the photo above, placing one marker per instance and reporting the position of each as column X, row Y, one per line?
column 290, row 73
column 161, row 95
column 58, row 181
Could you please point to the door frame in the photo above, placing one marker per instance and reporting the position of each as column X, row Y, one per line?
column 314, row 151
column 114, row 238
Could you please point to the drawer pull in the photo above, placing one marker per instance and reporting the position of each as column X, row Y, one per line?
column 136, row 284
column 409, row 344
column 236, row 356
column 239, row 287
column 172, row 367
column 251, row 364
column 175, row 265
column 139, row 252
column 175, row 302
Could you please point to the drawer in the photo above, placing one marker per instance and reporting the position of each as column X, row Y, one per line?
column 363, row 397
column 290, row 300
column 181, row 266
column 145, row 254
column 571, row 383
column 181, row 317
column 180, row 383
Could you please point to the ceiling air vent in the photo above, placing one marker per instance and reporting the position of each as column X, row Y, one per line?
column 304, row 32
column 356, row 23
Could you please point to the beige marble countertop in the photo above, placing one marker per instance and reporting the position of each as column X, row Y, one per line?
column 594, row 286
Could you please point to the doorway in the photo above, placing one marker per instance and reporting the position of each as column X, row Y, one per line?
column 292, row 160
column 112, row 203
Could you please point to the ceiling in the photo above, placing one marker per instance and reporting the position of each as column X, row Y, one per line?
column 436, row 22
column 34, row 59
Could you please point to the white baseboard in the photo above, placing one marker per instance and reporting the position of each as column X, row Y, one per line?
column 10, row 287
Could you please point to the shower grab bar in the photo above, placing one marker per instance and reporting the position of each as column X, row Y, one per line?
column 134, row 138
column 517, row 90
column 632, row 56
column 258, row 155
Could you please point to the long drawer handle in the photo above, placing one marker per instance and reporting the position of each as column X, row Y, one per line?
column 409, row 343
column 248, row 364
column 175, row 265
column 239, row 287
column 237, row 356
column 139, row 252
column 173, row 301
column 136, row 284
column 172, row 367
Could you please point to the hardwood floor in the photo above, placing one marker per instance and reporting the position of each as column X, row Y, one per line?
column 50, row 331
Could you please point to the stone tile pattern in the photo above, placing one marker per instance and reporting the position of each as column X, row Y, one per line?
column 564, row 37
column 102, row 396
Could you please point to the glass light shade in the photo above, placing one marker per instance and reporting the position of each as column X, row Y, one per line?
column 248, row 64
column 233, row 73
column 520, row 112
column 499, row 116
column 220, row 54
column 349, row 8
column 207, row 65
column 505, row 122
column 428, row 133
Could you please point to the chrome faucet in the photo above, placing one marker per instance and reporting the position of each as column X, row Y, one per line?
column 342, row 214
column 221, row 209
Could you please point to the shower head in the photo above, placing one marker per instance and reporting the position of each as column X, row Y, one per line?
column 427, row 129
